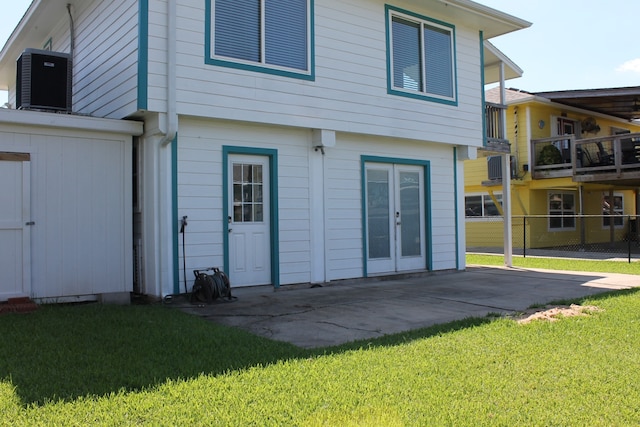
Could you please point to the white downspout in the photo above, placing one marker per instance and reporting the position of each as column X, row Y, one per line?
column 165, row 196
column 172, row 115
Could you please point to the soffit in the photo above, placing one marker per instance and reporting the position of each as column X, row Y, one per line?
column 623, row 102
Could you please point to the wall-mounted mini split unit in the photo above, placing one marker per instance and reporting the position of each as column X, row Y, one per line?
column 44, row 81
column 495, row 168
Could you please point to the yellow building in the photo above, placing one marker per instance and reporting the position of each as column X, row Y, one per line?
column 575, row 169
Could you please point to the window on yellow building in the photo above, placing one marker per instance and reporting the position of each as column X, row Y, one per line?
column 562, row 210
column 617, row 212
column 481, row 205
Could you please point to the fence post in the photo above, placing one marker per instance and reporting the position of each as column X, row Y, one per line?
column 524, row 236
column 629, row 237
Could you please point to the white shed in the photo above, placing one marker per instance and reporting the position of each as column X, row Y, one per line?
column 65, row 206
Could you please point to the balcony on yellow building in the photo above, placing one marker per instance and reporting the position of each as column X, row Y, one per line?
column 608, row 159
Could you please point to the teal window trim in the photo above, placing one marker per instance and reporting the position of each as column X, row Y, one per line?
column 484, row 102
column 272, row 154
column 143, row 54
column 426, row 164
column 389, row 11
column 174, row 214
column 211, row 59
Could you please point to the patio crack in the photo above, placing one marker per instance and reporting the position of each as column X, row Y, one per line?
column 350, row 328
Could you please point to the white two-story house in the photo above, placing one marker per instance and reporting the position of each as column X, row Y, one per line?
column 285, row 141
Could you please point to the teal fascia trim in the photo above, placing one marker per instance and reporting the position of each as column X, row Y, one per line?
column 143, row 54
column 419, row 95
column 484, row 106
column 273, row 211
column 174, row 214
column 426, row 164
column 302, row 75
column 455, row 204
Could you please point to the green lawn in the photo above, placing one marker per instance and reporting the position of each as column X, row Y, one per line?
column 153, row 365
column 595, row 266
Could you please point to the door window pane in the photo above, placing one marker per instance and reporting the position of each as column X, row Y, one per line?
column 247, row 193
column 410, row 213
column 378, row 213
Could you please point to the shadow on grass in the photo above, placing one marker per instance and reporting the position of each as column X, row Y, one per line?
column 65, row 352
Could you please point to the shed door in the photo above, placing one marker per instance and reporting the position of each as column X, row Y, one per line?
column 15, row 236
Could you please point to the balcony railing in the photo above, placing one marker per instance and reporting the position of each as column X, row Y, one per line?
column 592, row 159
column 551, row 157
column 611, row 155
column 494, row 120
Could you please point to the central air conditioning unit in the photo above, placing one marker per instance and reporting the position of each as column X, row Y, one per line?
column 44, row 80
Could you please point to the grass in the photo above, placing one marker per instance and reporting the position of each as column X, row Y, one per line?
column 596, row 266
column 153, row 365
column 105, row 365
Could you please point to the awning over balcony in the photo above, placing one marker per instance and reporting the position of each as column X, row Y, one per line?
column 622, row 102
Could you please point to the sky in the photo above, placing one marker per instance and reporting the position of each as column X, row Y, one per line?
column 572, row 44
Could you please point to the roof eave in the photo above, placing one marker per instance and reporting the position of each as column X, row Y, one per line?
column 493, row 57
column 36, row 24
column 491, row 21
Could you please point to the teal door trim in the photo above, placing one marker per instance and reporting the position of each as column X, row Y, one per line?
column 427, row 201
column 273, row 208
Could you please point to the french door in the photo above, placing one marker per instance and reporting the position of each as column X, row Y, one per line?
column 395, row 218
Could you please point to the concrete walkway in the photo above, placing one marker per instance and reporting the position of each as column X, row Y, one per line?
column 344, row 311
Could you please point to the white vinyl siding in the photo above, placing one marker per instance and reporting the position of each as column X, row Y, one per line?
column 421, row 56
column 200, row 195
column 349, row 92
column 105, row 58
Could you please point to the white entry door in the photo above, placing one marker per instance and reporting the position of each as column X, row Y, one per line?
column 249, row 220
column 15, row 236
column 395, row 218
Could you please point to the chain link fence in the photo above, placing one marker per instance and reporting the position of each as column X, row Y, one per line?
column 603, row 237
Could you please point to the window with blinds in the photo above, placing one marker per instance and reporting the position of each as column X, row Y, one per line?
column 267, row 33
column 420, row 56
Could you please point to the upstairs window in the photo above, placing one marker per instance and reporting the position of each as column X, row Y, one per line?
column 421, row 56
column 273, row 35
